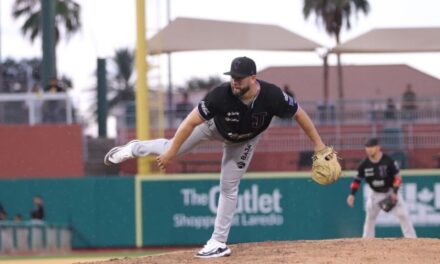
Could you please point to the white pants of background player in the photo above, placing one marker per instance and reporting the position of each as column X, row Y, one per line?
column 372, row 211
column 230, row 175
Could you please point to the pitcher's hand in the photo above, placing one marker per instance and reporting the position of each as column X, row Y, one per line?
column 164, row 160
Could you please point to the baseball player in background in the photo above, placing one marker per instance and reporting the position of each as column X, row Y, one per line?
column 234, row 113
column 381, row 173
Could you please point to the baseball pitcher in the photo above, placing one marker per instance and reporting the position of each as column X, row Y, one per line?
column 234, row 113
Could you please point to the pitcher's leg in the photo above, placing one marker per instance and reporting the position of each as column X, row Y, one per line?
column 159, row 146
column 138, row 148
column 236, row 159
column 150, row 147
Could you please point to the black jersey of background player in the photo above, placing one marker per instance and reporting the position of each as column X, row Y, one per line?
column 237, row 121
column 379, row 175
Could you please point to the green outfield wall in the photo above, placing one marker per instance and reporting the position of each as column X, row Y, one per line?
column 180, row 209
column 100, row 210
column 268, row 209
column 277, row 207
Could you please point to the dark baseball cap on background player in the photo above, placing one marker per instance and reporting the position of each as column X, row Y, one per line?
column 372, row 142
column 242, row 67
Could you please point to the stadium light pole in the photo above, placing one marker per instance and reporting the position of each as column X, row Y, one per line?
column 142, row 101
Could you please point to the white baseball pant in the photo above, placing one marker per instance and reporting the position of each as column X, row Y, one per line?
column 230, row 175
column 372, row 211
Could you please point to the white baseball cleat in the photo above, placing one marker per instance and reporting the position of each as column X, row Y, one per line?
column 119, row 154
column 214, row 249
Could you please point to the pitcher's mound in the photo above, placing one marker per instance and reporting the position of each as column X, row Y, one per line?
column 334, row 251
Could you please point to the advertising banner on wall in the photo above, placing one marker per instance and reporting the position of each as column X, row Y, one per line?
column 183, row 212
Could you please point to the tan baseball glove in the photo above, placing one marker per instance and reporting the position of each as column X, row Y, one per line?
column 326, row 168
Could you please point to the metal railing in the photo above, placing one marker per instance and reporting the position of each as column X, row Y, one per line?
column 424, row 110
column 372, row 111
column 372, row 114
column 34, row 236
column 35, row 108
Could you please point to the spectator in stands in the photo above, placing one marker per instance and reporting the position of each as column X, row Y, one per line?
column 38, row 211
column 37, row 104
column 184, row 107
column 54, row 86
column 390, row 110
column 53, row 110
column 409, row 105
column 18, row 218
column 3, row 214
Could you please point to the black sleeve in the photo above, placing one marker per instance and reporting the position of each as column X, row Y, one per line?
column 285, row 105
column 206, row 107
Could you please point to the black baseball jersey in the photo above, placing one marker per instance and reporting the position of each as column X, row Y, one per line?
column 237, row 121
column 380, row 175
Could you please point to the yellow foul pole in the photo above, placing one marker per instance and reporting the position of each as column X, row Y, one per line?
column 142, row 112
column 142, row 101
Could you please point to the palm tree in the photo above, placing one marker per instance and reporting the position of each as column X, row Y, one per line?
column 67, row 18
column 333, row 14
column 119, row 83
column 121, row 87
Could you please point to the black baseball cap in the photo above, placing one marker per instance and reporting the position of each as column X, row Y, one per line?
column 372, row 142
column 242, row 67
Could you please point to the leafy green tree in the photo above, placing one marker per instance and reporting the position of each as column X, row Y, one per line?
column 334, row 14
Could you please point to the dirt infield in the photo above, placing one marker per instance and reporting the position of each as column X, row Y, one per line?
column 336, row 251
